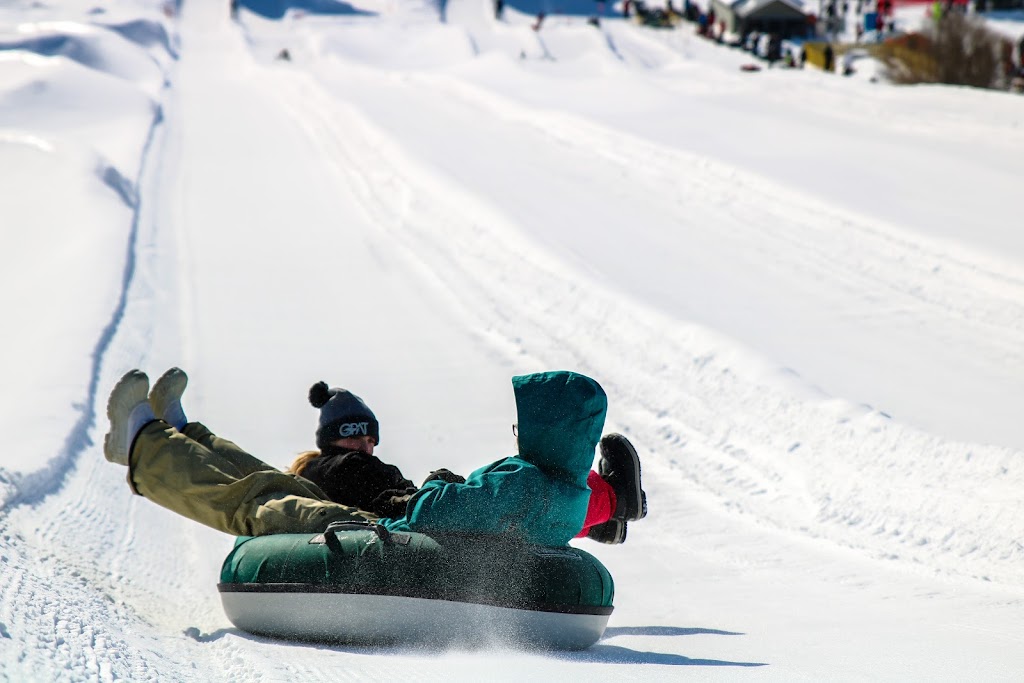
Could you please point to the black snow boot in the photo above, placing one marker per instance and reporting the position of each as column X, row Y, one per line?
column 620, row 467
column 612, row 532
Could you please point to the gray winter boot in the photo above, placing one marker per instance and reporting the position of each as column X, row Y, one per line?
column 165, row 397
column 129, row 412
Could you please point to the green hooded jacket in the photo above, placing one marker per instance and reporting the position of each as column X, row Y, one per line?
column 539, row 496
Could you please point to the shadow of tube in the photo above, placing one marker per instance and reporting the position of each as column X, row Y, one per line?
column 664, row 631
column 613, row 654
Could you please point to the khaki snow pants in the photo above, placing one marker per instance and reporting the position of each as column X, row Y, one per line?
column 214, row 482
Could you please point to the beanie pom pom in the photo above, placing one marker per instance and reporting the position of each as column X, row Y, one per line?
column 319, row 394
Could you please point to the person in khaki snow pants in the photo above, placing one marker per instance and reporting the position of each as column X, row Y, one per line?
column 212, row 481
column 547, row 492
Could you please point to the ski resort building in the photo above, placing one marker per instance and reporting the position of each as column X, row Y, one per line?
column 785, row 18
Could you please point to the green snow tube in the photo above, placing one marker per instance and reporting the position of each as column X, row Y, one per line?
column 361, row 584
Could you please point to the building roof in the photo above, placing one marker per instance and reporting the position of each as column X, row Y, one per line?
column 744, row 8
column 748, row 7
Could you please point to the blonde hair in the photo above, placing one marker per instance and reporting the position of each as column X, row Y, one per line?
column 300, row 462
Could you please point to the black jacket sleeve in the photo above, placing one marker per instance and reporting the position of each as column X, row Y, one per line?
column 359, row 480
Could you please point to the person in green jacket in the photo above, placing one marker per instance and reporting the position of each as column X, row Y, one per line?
column 540, row 495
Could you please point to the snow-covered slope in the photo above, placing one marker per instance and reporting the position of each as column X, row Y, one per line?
column 803, row 295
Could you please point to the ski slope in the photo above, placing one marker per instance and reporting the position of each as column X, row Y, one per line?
column 804, row 296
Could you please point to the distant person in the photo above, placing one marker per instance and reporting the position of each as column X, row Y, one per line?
column 848, row 59
column 829, row 56
column 774, row 52
column 1017, row 82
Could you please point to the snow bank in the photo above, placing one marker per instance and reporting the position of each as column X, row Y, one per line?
column 78, row 106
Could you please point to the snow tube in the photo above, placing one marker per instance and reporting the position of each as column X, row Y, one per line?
column 360, row 584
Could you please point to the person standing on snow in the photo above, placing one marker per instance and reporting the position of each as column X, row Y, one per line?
column 544, row 497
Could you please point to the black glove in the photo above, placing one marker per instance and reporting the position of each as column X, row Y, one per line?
column 392, row 503
column 447, row 476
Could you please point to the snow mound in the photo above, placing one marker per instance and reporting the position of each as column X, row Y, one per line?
column 55, row 96
column 277, row 9
column 95, row 47
column 147, row 33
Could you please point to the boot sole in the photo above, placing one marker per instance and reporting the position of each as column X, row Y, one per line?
column 601, row 533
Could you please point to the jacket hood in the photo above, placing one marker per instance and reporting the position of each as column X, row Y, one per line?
column 561, row 416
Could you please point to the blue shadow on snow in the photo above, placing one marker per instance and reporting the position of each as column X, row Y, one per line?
column 614, row 654
column 613, row 631
column 596, row 654
column 276, row 9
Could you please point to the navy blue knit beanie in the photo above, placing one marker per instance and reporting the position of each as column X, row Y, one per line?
column 342, row 415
